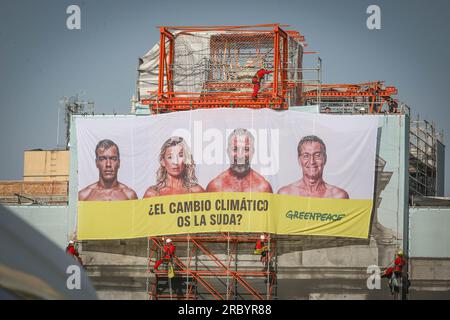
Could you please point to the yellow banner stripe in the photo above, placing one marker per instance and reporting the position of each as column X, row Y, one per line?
column 223, row 212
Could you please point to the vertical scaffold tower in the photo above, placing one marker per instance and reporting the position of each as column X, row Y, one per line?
column 213, row 266
column 212, row 67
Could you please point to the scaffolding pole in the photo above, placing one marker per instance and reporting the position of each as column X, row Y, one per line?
column 210, row 269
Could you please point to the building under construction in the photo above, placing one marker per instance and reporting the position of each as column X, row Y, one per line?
column 212, row 67
column 426, row 160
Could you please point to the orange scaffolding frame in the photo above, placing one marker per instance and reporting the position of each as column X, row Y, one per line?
column 168, row 99
column 201, row 274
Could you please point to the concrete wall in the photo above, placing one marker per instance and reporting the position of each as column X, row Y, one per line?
column 50, row 221
column 429, row 263
column 429, row 233
column 118, row 267
column 430, row 269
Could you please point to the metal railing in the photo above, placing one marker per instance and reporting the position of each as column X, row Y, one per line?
column 359, row 108
column 30, row 200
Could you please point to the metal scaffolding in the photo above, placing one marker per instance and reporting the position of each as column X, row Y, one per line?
column 423, row 158
column 213, row 266
column 213, row 67
column 369, row 97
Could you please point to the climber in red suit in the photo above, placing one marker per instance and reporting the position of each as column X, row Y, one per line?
column 169, row 252
column 256, row 80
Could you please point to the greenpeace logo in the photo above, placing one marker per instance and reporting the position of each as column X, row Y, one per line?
column 315, row 216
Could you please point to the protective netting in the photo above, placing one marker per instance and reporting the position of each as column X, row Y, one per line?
column 210, row 62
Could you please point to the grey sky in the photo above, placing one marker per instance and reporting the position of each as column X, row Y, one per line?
column 41, row 61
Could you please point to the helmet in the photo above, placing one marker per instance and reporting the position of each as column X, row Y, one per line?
column 400, row 252
column 262, row 237
column 71, row 242
column 168, row 240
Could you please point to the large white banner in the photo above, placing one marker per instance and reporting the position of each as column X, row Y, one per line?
column 306, row 156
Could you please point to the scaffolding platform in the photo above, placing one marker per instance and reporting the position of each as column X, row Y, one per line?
column 206, row 267
column 214, row 67
column 370, row 97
